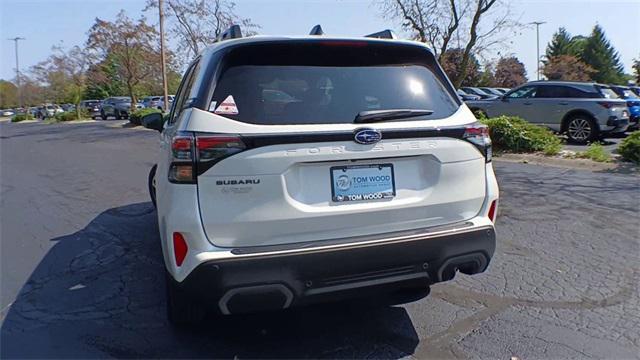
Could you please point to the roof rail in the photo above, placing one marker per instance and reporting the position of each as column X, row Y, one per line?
column 384, row 34
column 316, row 30
column 233, row 32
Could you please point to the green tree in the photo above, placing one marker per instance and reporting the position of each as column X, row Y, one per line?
column 636, row 69
column 8, row 94
column 451, row 63
column 560, row 44
column 603, row 58
column 487, row 77
column 510, row 72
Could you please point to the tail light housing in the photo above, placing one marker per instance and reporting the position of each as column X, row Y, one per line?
column 193, row 154
column 478, row 134
column 610, row 104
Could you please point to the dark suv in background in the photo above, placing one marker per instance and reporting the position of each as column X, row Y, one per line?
column 582, row 111
column 117, row 106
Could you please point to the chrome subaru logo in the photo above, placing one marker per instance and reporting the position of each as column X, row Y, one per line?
column 367, row 136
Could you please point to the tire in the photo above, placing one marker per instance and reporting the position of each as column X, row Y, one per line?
column 182, row 309
column 152, row 185
column 581, row 129
column 103, row 116
column 118, row 116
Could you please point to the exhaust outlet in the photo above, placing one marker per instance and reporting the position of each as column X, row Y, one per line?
column 467, row 264
column 255, row 298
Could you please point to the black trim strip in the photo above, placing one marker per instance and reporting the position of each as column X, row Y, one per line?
column 260, row 140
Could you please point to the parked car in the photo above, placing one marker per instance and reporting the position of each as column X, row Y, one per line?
column 92, row 107
column 151, row 102
column 68, row 107
column 8, row 112
column 582, row 111
column 492, row 91
column 633, row 103
column 350, row 189
column 466, row 97
column 161, row 102
column 476, row 91
column 117, row 106
column 156, row 102
column 49, row 111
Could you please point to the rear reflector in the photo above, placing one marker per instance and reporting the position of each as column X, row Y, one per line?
column 180, row 248
column 492, row 211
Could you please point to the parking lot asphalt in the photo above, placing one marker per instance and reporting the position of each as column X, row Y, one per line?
column 81, row 268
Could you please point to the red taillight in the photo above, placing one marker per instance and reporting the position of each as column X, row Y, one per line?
column 195, row 154
column 181, row 147
column 213, row 148
column 180, row 248
column 606, row 104
column 492, row 210
column 478, row 135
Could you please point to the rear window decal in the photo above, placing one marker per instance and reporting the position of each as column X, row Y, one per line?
column 227, row 107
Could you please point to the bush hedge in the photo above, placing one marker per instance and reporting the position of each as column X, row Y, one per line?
column 630, row 147
column 21, row 117
column 514, row 134
column 71, row 115
column 136, row 116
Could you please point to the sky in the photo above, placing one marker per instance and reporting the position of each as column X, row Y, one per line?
column 45, row 23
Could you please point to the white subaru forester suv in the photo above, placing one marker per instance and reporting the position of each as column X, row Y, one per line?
column 299, row 170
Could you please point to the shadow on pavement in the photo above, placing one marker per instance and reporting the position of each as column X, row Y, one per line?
column 100, row 292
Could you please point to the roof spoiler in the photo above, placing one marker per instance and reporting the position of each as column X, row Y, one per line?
column 384, row 34
column 233, row 32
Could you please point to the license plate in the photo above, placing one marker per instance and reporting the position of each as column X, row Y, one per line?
column 362, row 183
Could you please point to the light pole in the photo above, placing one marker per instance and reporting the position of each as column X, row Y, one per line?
column 15, row 41
column 537, row 24
column 162, row 57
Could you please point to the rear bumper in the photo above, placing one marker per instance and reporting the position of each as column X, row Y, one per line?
column 616, row 125
column 281, row 278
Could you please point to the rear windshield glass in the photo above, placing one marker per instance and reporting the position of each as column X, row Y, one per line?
column 608, row 92
column 328, row 87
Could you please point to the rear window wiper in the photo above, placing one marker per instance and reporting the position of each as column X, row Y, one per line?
column 390, row 114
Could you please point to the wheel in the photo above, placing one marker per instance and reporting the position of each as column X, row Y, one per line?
column 581, row 129
column 181, row 309
column 118, row 116
column 103, row 115
column 152, row 184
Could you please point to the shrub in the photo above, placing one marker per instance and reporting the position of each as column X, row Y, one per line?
column 21, row 117
column 514, row 134
column 136, row 116
column 595, row 152
column 630, row 147
column 71, row 115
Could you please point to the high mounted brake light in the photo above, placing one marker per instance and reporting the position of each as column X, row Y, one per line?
column 478, row 135
column 193, row 154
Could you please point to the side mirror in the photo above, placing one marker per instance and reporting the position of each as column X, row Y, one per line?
column 153, row 121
